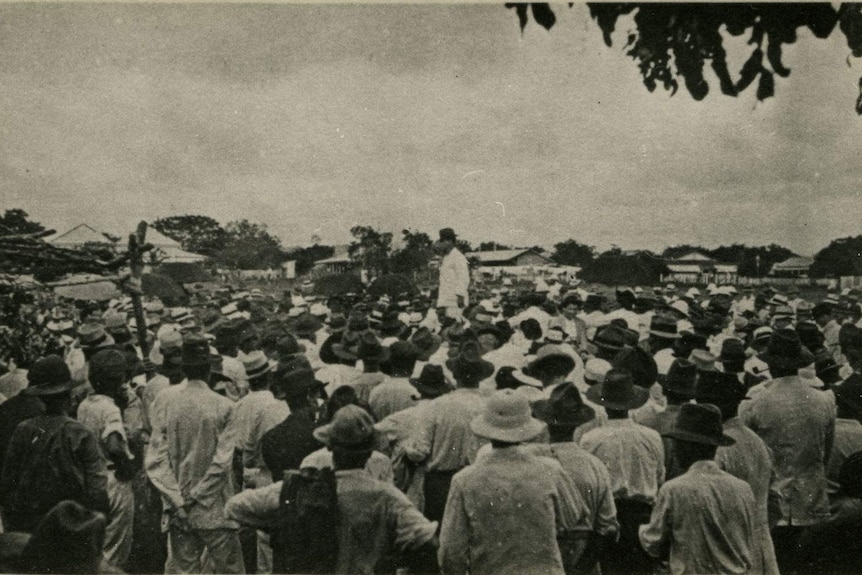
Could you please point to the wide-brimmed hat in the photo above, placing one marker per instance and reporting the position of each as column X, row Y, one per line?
column 351, row 428
column 550, row 358
column 287, row 346
column 699, row 423
column 392, row 326
column 507, row 418
column 663, row 327
column 402, row 357
column 680, row 378
column 596, row 369
column 688, row 341
column 426, row 342
column 431, row 381
column 93, row 335
column 849, row 395
column 469, row 363
column 610, row 338
column 196, row 350
column 702, row 359
column 305, row 326
column 47, row 376
column 565, row 408
column 718, row 387
column 448, row 235
column 69, row 539
column 297, row 382
column 618, row 392
column 786, row 351
column 370, row 349
column 639, row 363
column 256, row 365
column 679, row 308
column 336, row 324
column 509, row 377
column 732, row 349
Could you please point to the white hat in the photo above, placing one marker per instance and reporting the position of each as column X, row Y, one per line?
column 318, row 309
column 297, row 300
column 711, row 288
column 725, row 290
column 240, row 295
column 596, row 369
column 296, row 311
column 638, row 289
column 681, row 306
column 693, row 292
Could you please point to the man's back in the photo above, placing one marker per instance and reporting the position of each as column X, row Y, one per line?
column 443, row 433
column 797, row 424
column 707, row 517
column 285, row 446
column 502, row 516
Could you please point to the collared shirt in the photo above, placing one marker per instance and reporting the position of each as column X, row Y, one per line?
column 100, row 414
column 503, row 515
column 335, row 376
column 831, row 334
column 664, row 422
column 151, row 390
column 285, row 446
column 633, row 454
column 591, row 480
column 848, row 440
column 798, row 424
column 749, row 459
column 378, row 465
column 375, row 519
column 363, row 383
column 254, row 415
column 443, row 434
column 13, row 412
column 706, row 516
column 454, row 279
column 393, row 395
column 190, row 455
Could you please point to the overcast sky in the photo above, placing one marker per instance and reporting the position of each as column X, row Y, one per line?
column 312, row 119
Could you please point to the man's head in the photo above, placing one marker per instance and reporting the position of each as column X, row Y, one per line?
column 107, row 372
column 447, row 241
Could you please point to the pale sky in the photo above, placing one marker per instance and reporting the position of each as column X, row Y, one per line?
column 312, row 119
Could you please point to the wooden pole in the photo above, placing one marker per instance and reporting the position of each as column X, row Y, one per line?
column 136, row 266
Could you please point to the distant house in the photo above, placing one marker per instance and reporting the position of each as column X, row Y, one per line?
column 78, row 237
column 170, row 251
column 697, row 268
column 794, row 267
column 339, row 263
column 510, row 258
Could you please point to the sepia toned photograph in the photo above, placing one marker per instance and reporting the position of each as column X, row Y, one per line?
column 430, row 288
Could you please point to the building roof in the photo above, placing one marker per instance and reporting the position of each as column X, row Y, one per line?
column 155, row 237
column 334, row 260
column 502, row 255
column 794, row 263
column 684, row 268
column 694, row 257
column 78, row 236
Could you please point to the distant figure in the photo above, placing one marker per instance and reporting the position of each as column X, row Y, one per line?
column 454, row 275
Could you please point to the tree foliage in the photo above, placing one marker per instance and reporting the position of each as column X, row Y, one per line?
column 842, row 257
column 751, row 261
column 250, row 246
column 17, row 221
column 572, row 253
column 615, row 267
column 371, row 248
column 492, row 246
column 306, row 257
column 197, row 234
column 674, row 42
column 415, row 253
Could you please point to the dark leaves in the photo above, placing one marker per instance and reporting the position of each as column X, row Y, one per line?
column 766, row 86
column 773, row 54
column 543, row 15
column 850, row 22
column 521, row 10
column 750, row 70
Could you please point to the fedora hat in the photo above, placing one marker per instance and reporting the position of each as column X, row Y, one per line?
column 49, row 375
column 287, row 346
column 196, row 350
column 305, row 326
column 718, row 387
column 351, row 428
column 509, row 377
column 565, row 408
column 256, row 365
column 679, row 308
column 296, row 382
column 640, row 364
column 431, row 381
column 68, row 539
column 448, row 235
column 93, row 335
column 550, row 358
column 680, row 378
column 506, row 417
column 426, row 342
column 402, row 356
column 663, row 327
column 702, row 359
column 849, row 395
column 610, row 338
column 732, row 349
column 618, row 392
column 699, row 423
column 785, row 350
column 688, row 341
column 336, row 324
column 469, row 363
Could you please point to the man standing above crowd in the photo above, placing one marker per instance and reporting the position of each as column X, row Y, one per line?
column 454, row 275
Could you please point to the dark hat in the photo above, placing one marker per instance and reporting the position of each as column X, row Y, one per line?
column 718, row 387
column 49, row 375
column 565, row 408
column 823, row 308
column 402, row 356
column 699, row 423
column 732, row 349
column 68, row 539
column 196, row 350
column 663, row 327
column 610, row 338
column 448, row 235
column 785, row 350
column 336, row 324
column 256, row 365
column 850, row 475
column 287, row 346
column 392, row 326
column 687, row 343
column 357, row 322
column 826, row 368
column 370, row 350
column 640, row 364
column 551, row 359
column 108, row 364
column 431, row 382
column 531, row 328
column 849, row 395
column 305, row 326
column 618, row 392
column 680, row 378
column 469, row 363
column 509, row 377
column 348, row 347
column 297, row 382
column 351, row 428
column 426, row 342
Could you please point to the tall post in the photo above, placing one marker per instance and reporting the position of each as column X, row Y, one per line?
column 136, row 266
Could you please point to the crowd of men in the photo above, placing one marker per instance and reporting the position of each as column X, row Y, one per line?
column 512, row 429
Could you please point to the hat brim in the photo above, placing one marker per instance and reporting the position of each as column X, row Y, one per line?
column 425, row 354
column 429, row 390
column 342, row 352
column 537, row 365
column 484, row 429
column 380, row 357
column 691, row 437
column 782, row 362
column 484, row 369
column 663, row 334
column 47, row 389
column 639, row 398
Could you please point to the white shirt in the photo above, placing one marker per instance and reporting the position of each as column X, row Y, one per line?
column 454, row 279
